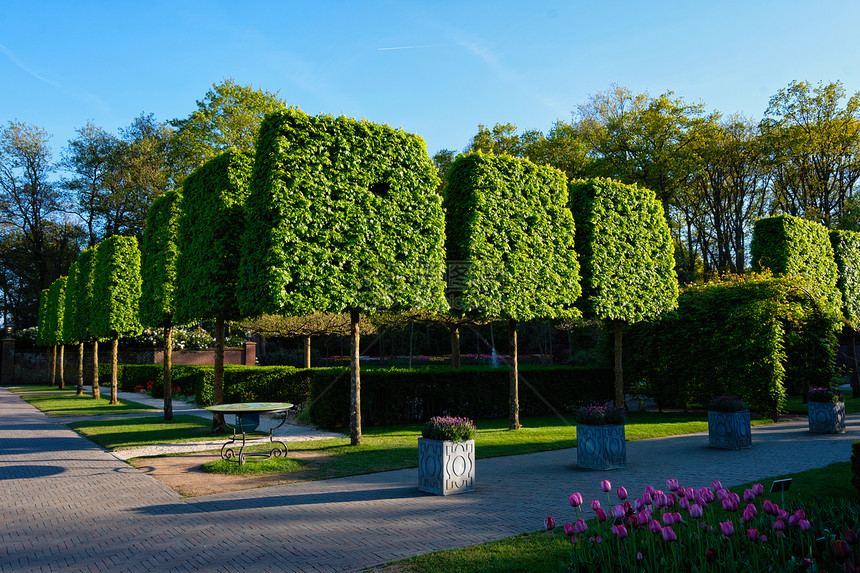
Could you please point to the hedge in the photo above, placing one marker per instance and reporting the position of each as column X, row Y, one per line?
column 846, row 252
column 757, row 337
column 402, row 396
column 855, row 465
column 55, row 310
column 509, row 240
column 116, row 288
column 790, row 245
column 159, row 251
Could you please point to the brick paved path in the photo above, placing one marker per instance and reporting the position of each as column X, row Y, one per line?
column 68, row 505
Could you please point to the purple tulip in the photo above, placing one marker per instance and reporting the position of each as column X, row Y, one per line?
column 618, row 511
column 767, row 507
column 580, row 527
column 716, row 484
column 804, row 525
column 752, row 534
column 639, row 504
column 643, row 518
column 639, row 556
column 734, row 497
column 779, row 525
column 722, row 494
column 678, row 517
column 684, row 503
column 758, row 489
column 549, row 522
column 749, row 496
column 655, row 526
column 574, row 540
column 672, row 484
column 668, row 518
column 598, row 539
column 841, row 549
column 595, row 505
column 601, row 514
column 568, row 529
column 696, row 511
column 575, row 499
column 620, row 531
column 649, row 489
column 727, row 528
column 729, row 505
column 851, row 537
column 606, row 486
column 749, row 513
column 622, row 493
column 669, row 534
column 647, row 499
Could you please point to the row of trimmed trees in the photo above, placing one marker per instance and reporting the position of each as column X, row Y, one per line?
column 336, row 215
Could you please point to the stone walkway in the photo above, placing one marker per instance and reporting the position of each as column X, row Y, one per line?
column 68, row 505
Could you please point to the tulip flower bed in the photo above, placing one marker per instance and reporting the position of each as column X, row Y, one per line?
column 710, row 529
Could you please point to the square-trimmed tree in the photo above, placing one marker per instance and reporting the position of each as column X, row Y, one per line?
column 846, row 253
column 42, row 337
column 82, row 328
column 55, row 308
column 210, row 239
column 159, row 252
column 116, row 287
column 510, row 246
column 627, row 257
column 70, row 334
column 343, row 216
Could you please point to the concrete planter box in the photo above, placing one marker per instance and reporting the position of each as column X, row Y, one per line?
column 826, row 417
column 601, row 447
column 729, row 430
column 444, row 467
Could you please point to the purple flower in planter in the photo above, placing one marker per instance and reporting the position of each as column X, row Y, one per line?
column 549, row 522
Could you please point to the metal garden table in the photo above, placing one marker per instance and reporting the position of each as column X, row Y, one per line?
column 249, row 414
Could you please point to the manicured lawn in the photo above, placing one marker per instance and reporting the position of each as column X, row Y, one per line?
column 133, row 432
column 37, row 388
column 65, row 403
column 545, row 552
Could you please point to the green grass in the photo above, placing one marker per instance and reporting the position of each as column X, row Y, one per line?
column 134, row 432
column 544, row 552
column 254, row 467
column 37, row 388
column 67, row 404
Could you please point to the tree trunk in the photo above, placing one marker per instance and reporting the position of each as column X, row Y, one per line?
column 166, row 376
column 354, row 379
column 619, row 372
column 53, row 365
column 306, row 350
column 61, row 364
column 515, row 375
column 455, row 347
column 114, row 367
column 96, row 392
column 80, row 391
column 218, row 424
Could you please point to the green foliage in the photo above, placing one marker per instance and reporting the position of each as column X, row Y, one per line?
column 81, row 328
column 398, row 395
column 70, row 306
column 626, row 252
column 54, row 310
column 790, row 245
column 510, row 240
column 855, row 465
column 342, row 214
column 210, row 231
column 116, row 287
column 42, row 329
column 753, row 337
column 159, row 251
column 846, row 252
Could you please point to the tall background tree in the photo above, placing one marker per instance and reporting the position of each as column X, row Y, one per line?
column 210, row 231
column 70, row 332
column 55, row 309
column 116, row 296
column 228, row 117
column 509, row 246
column 159, row 251
column 343, row 216
column 626, row 258
column 84, row 326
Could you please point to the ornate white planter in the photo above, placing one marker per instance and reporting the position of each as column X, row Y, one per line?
column 729, row 430
column 601, row 447
column 826, row 417
column 446, row 467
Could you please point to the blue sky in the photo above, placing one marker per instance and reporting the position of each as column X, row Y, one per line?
column 437, row 69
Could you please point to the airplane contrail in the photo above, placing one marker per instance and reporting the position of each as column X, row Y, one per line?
column 403, row 48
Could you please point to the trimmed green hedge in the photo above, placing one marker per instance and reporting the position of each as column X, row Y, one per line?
column 398, row 396
column 159, row 251
column 510, row 240
column 855, row 465
column 846, row 252
column 55, row 310
column 792, row 246
column 116, row 288
column 756, row 337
